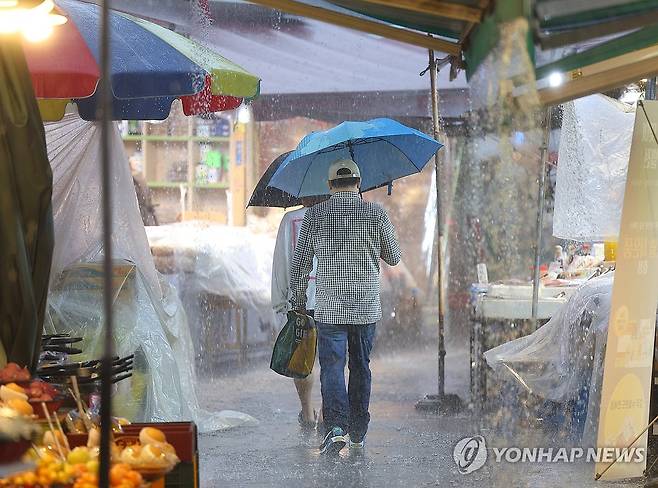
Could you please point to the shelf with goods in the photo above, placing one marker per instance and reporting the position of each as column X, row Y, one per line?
column 185, row 160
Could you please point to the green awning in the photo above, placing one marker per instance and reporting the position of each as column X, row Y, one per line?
column 421, row 21
column 26, row 220
column 622, row 45
column 468, row 30
column 560, row 14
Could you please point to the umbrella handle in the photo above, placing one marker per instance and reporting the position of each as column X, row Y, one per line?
column 351, row 148
column 390, row 188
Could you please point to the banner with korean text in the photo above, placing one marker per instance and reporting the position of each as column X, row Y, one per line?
column 626, row 391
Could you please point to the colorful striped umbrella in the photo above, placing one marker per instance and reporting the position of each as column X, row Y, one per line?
column 151, row 67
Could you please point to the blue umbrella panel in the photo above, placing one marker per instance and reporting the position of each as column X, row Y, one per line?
column 384, row 150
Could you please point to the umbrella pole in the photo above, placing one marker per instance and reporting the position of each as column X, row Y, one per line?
column 540, row 216
column 106, row 365
column 440, row 402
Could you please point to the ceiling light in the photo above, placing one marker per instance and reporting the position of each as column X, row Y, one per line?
column 35, row 24
column 244, row 114
column 555, row 79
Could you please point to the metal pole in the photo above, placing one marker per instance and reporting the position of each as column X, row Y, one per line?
column 540, row 214
column 439, row 232
column 650, row 91
column 106, row 365
column 441, row 402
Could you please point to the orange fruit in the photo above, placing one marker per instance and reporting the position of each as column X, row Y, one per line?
column 16, row 388
column 20, row 406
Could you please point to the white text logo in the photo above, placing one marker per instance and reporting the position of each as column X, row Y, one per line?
column 470, row 454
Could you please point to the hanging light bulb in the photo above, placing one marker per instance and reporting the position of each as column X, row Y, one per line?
column 35, row 24
column 244, row 114
column 555, row 79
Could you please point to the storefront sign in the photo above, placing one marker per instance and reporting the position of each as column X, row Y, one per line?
column 627, row 378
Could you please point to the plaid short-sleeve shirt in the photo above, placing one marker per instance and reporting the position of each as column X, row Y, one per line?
column 348, row 237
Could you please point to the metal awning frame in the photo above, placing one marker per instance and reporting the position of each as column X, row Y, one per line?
column 555, row 23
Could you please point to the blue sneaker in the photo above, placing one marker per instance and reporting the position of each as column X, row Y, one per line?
column 333, row 442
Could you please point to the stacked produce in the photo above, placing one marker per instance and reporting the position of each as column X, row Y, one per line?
column 34, row 414
column 13, row 372
column 57, row 464
column 152, row 454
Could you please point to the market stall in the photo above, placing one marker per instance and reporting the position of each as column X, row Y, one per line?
column 154, row 372
column 223, row 275
column 594, row 142
column 504, row 311
column 562, row 361
column 105, row 296
column 151, row 322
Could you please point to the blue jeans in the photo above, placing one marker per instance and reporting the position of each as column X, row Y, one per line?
column 340, row 408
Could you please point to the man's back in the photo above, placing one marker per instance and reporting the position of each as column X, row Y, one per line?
column 348, row 236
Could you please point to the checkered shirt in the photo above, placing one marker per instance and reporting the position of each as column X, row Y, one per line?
column 348, row 237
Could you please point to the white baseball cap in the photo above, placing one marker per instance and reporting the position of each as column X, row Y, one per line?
column 343, row 168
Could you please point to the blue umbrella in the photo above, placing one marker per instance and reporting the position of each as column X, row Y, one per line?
column 384, row 150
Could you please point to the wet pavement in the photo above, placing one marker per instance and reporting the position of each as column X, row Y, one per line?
column 404, row 447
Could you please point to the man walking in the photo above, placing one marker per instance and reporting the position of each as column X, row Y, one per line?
column 348, row 237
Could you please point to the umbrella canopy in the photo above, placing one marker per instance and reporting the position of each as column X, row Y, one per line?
column 151, row 67
column 384, row 150
column 26, row 220
column 268, row 196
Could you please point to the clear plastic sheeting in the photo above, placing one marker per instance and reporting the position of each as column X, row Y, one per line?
column 231, row 262
column 564, row 358
column 592, row 163
column 235, row 262
column 149, row 319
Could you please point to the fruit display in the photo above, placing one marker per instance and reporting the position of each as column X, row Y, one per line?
column 52, row 438
column 152, row 452
column 40, row 391
column 13, row 373
column 16, row 431
column 147, row 458
column 21, row 406
column 78, row 470
column 27, row 396
column 11, row 391
column 35, row 393
column 71, row 460
column 121, row 476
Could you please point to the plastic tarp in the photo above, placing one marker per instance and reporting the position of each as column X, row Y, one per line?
column 150, row 321
column 592, row 163
column 232, row 262
column 564, row 356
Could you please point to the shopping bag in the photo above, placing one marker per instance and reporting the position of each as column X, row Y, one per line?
column 295, row 347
